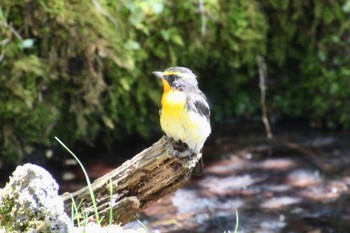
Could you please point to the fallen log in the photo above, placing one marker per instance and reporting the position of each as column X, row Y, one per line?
column 137, row 183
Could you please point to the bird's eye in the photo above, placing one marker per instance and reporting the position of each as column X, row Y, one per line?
column 171, row 78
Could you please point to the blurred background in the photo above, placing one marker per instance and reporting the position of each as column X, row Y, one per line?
column 82, row 71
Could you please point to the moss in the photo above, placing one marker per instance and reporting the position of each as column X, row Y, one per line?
column 78, row 69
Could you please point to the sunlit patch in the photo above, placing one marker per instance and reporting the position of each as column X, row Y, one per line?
column 303, row 178
column 277, row 188
column 337, row 187
column 327, row 192
column 188, row 201
column 318, row 194
column 271, row 224
column 68, row 176
column 279, row 202
column 346, row 180
column 227, row 167
column 277, row 164
column 227, row 185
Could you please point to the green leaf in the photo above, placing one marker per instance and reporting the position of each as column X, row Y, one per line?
column 177, row 39
column 157, row 7
column 131, row 44
column 165, row 34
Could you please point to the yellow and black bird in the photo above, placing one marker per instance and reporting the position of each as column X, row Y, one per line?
column 185, row 113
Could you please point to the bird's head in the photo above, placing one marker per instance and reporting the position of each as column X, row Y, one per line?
column 178, row 78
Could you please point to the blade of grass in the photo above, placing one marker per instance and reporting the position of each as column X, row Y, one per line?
column 86, row 177
column 72, row 213
column 237, row 222
column 142, row 225
column 110, row 220
column 75, row 213
column 236, row 226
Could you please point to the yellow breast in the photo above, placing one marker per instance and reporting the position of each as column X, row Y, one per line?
column 181, row 124
column 173, row 114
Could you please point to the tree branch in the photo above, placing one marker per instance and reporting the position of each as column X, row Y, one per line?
column 136, row 184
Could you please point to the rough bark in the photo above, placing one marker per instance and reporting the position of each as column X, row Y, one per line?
column 137, row 183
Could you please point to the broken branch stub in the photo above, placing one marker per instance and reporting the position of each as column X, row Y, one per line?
column 137, row 183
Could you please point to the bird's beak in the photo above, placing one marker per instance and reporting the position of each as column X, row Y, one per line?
column 158, row 74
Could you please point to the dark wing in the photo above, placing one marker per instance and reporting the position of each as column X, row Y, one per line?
column 202, row 108
column 198, row 102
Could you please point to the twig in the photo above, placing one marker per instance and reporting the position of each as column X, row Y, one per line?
column 13, row 30
column 203, row 18
column 105, row 13
column 2, row 55
column 262, row 84
column 5, row 41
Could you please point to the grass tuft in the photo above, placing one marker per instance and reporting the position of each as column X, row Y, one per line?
column 92, row 195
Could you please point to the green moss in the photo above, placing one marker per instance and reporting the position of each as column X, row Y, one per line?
column 6, row 217
column 83, row 68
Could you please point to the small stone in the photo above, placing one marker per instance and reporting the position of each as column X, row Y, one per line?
column 30, row 203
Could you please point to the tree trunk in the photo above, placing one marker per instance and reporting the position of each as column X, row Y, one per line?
column 137, row 183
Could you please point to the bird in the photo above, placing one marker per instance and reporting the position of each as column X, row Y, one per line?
column 185, row 112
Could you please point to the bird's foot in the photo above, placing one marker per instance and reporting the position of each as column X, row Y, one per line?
column 179, row 148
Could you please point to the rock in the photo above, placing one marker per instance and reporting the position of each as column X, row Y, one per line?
column 30, row 203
